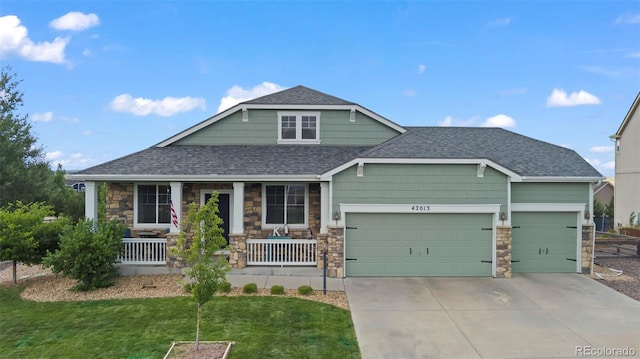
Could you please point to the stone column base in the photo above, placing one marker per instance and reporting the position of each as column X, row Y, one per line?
column 238, row 250
column 503, row 252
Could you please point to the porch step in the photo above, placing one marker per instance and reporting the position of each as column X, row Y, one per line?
column 279, row 271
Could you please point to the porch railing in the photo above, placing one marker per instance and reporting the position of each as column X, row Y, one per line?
column 282, row 252
column 144, row 251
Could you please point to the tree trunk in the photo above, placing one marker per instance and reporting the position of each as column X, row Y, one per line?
column 198, row 326
column 15, row 272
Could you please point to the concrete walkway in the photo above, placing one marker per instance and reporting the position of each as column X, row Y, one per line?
column 528, row 316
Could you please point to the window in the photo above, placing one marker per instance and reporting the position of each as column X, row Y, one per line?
column 153, row 205
column 285, row 204
column 298, row 127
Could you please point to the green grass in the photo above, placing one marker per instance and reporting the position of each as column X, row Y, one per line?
column 262, row 327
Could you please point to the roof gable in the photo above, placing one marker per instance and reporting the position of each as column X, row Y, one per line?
column 523, row 155
column 298, row 95
column 296, row 98
column 628, row 117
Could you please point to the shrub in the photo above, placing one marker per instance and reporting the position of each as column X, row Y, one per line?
column 250, row 288
column 225, row 287
column 187, row 287
column 277, row 289
column 88, row 253
column 305, row 290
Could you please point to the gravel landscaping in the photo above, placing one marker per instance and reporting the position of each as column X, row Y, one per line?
column 43, row 286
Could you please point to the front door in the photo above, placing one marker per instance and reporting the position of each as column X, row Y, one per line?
column 223, row 211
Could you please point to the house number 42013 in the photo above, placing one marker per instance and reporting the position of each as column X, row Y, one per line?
column 420, row 208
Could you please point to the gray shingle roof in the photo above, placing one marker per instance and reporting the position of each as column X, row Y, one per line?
column 234, row 160
column 299, row 95
column 523, row 155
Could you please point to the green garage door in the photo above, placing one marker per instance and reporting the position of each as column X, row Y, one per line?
column 383, row 244
column 544, row 242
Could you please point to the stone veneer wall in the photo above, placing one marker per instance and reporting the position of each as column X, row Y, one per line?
column 503, row 252
column 120, row 202
column 587, row 248
column 335, row 252
column 253, row 213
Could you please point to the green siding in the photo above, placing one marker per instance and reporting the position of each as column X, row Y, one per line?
column 428, row 184
column 550, row 193
column 386, row 244
column 544, row 242
column 262, row 129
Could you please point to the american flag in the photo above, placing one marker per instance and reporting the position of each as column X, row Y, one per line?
column 174, row 215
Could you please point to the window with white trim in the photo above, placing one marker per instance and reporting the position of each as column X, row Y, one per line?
column 152, row 205
column 285, row 204
column 298, row 127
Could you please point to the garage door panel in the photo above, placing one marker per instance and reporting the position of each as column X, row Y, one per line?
column 544, row 242
column 418, row 244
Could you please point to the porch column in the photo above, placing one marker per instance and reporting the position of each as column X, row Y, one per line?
column 91, row 200
column 324, row 207
column 237, row 227
column 176, row 200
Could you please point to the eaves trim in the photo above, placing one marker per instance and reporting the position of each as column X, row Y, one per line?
column 466, row 161
column 194, row 178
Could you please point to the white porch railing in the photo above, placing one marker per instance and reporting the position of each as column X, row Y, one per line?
column 144, row 251
column 282, row 252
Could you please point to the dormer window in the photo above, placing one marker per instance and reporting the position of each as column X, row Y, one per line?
column 298, row 127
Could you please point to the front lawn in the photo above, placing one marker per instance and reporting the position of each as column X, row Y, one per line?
column 262, row 327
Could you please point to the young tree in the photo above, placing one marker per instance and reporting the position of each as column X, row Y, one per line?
column 88, row 253
column 200, row 237
column 24, row 172
column 24, row 236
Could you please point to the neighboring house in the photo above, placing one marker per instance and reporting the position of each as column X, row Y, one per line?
column 604, row 192
column 301, row 172
column 627, row 147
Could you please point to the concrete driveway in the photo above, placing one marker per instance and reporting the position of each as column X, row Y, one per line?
column 528, row 316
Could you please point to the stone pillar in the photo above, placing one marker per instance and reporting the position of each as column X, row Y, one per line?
column 587, row 248
column 238, row 250
column 91, row 200
column 335, row 249
column 503, row 252
column 322, row 245
column 173, row 261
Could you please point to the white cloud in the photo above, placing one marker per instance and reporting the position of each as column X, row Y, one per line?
column 500, row 120
column 601, row 149
column 500, row 22
column 50, row 156
column 75, row 21
column 421, row 68
column 634, row 55
column 42, row 117
column 449, row 121
column 14, row 40
column 559, row 98
column 168, row 106
column 237, row 94
column 600, row 70
column 408, row 93
column 86, row 52
column 514, row 91
column 627, row 18
column 599, row 165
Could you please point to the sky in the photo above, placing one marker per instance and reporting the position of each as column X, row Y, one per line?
column 103, row 79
